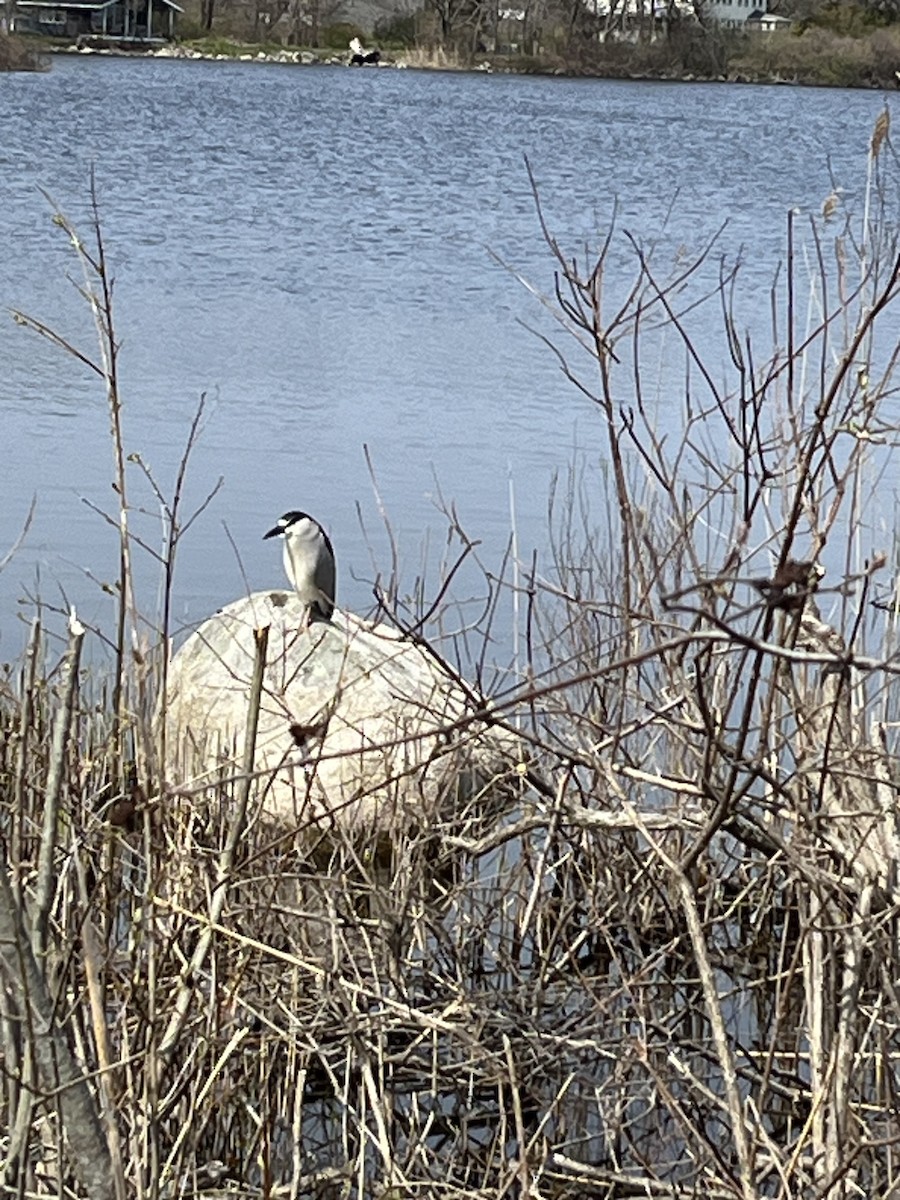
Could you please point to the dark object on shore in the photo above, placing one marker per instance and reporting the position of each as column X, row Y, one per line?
column 371, row 57
column 362, row 58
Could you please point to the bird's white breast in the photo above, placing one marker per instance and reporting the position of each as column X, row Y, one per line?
column 301, row 553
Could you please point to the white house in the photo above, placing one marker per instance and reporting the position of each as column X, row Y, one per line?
column 736, row 14
column 766, row 22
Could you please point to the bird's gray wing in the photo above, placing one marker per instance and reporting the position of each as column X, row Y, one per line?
column 325, row 579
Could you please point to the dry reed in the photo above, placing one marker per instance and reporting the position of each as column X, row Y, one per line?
column 668, row 970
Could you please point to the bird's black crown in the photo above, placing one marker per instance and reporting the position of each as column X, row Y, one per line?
column 289, row 519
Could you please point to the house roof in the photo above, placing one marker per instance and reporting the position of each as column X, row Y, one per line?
column 85, row 5
column 64, row 4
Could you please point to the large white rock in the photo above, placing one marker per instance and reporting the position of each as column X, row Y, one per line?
column 359, row 727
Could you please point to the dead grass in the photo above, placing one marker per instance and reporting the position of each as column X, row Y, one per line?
column 820, row 56
column 667, row 969
column 434, row 58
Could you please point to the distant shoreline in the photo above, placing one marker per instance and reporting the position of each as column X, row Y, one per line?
column 487, row 65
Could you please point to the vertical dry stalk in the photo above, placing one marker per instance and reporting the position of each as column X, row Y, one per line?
column 45, row 885
column 26, row 720
column 93, row 970
column 97, row 290
column 227, row 859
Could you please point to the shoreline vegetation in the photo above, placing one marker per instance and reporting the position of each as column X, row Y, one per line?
column 810, row 55
column 667, row 965
column 20, row 54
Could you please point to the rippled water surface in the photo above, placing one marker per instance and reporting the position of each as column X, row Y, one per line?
column 316, row 249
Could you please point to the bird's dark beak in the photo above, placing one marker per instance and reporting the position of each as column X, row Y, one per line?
column 274, row 532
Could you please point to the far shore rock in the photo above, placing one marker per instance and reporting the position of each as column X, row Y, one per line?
column 176, row 50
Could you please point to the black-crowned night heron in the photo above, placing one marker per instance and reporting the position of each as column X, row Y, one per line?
column 309, row 562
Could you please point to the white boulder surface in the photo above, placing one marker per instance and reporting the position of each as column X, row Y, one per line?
column 360, row 728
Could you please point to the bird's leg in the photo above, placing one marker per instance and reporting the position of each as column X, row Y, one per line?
column 307, row 618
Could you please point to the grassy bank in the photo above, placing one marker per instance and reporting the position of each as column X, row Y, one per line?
column 823, row 57
column 812, row 56
column 668, row 967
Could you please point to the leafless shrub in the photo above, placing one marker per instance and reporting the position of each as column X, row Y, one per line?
column 16, row 55
column 670, row 969
column 821, row 56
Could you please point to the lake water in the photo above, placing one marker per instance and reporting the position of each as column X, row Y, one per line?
column 316, row 250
